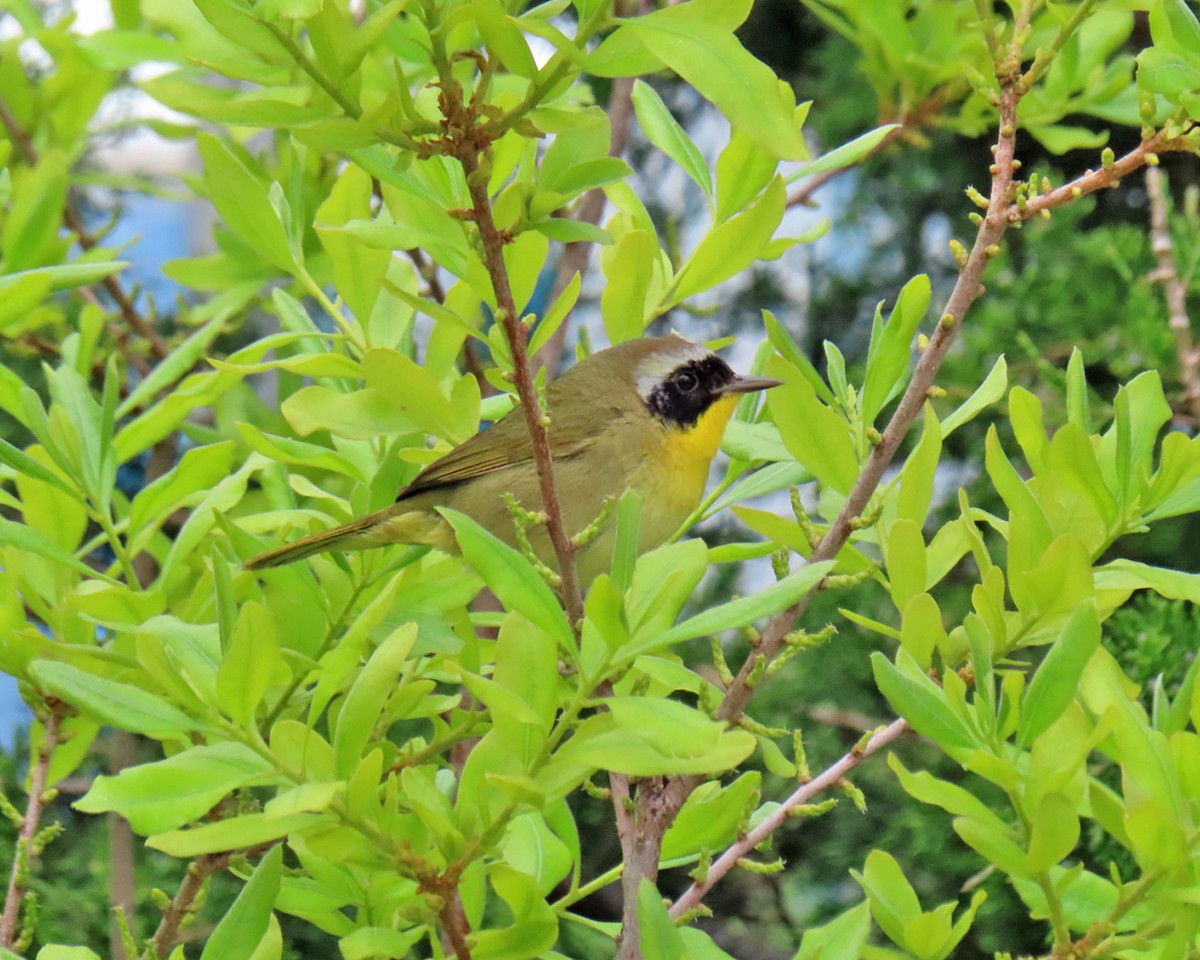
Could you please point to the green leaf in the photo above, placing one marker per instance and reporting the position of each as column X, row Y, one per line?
column 1057, row 678
column 383, row 942
column 1159, row 842
column 890, row 354
column 736, row 613
column 891, row 897
column 629, row 272
column 54, row 951
column 118, row 704
column 743, row 169
column 245, row 923
column 31, row 226
column 730, row 247
column 994, row 845
column 242, row 201
column 1054, row 832
column 511, row 577
column 788, row 349
column 905, row 562
column 23, row 463
column 362, row 415
column 531, row 848
column 357, row 268
column 921, row 630
column 527, row 667
column 659, row 939
column 553, row 318
column 503, row 37
column 919, row 471
column 415, row 394
column 816, row 436
column 236, row 833
column 195, row 473
column 1077, row 393
column 710, row 817
column 180, row 362
column 155, row 797
column 248, row 664
column 989, row 392
column 1173, row 26
column 655, row 737
column 662, row 130
column 64, row 276
column 364, row 702
column 710, row 58
column 566, row 230
column 1129, row 575
column 952, row 798
column 534, row 929
column 921, row 702
column 842, row 938
column 846, row 155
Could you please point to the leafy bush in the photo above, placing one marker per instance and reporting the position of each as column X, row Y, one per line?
column 406, row 772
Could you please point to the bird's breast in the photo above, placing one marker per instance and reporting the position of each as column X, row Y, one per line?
column 674, row 470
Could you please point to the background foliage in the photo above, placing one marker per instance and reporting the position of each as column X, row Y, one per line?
column 389, row 776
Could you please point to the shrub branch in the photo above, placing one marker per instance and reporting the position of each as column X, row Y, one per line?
column 1175, row 289
column 182, row 904
column 829, row 777
column 24, row 852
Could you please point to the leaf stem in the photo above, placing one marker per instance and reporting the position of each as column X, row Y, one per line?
column 579, row 893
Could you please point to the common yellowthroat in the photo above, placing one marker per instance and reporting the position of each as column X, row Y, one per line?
column 646, row 415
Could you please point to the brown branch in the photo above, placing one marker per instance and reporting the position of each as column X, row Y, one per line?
column 122, row 884
column 829, row 777
column 74, row 222
column 198, row 871
column 1175, row 289
column 455, row 926
column 624, row 813
column 518, row 341
column 1109, row 175
column 577, row 254
column 24, row 853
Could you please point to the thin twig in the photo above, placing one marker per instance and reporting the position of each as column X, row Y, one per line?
column 24, row 853
column 182, row 904
column 1175, row 290
column 690, row 899
column 1105, row 177
column 518, row 341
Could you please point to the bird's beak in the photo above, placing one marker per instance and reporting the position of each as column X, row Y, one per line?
column 750, row 384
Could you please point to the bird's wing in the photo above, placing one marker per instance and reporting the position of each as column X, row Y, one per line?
column 503, row 445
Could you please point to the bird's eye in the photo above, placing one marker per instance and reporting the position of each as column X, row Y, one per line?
column 686, row 381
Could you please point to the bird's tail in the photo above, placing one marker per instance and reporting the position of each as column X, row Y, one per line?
column 376, row 530
column 315, row 543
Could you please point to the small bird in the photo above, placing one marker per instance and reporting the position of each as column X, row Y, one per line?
column 646, row 415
